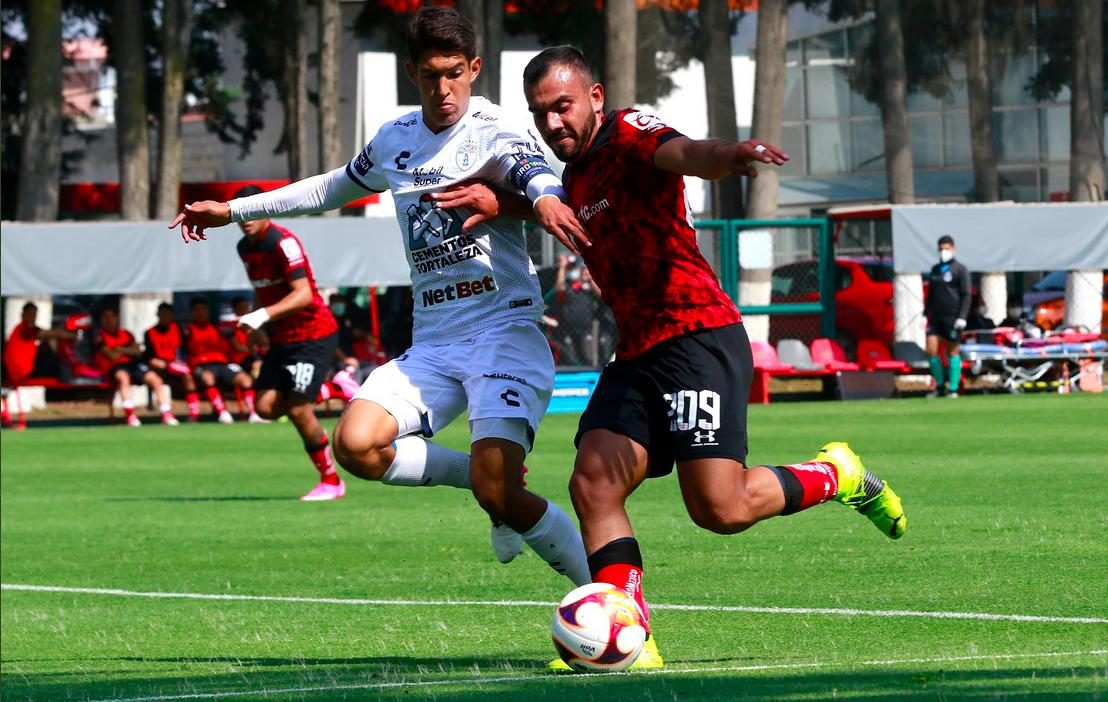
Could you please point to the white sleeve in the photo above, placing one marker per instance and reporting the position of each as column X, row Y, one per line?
column 319, row 193
column 520, row 164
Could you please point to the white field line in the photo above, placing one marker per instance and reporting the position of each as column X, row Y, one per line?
column 553, row 677
column 830, row 611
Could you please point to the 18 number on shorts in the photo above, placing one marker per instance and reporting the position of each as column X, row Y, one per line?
column 691, row 409
column 302, row 374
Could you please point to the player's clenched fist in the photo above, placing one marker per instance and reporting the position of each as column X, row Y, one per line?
column 198, row 216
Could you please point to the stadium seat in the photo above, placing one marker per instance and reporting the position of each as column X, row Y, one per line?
column 793, row 352
column 911, row 353
column 766, row 364
column 830, row 355
column 874, row 355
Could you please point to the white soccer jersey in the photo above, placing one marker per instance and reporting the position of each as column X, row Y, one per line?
column 462, row 283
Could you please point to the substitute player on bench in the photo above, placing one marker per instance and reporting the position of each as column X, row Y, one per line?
column 477, row 345
column 162, row 350
column 678, row 389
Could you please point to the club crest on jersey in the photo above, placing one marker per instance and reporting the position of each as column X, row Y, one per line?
column 466, row 155
column 429, row 224
column 643, row 121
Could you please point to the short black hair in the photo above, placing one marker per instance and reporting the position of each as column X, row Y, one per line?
column 165, row 306
column 946, row 239
column 437, row 28
column 196, row 302
column 29, row 306
column 247, row 191
column 545, row 60
column 237, row 299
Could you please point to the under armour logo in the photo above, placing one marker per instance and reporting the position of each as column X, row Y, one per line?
column 704, row 437
column 508, row 397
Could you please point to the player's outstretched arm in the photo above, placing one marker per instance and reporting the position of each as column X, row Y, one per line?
column 487, row 203
column 712, row 159
column 198, row 216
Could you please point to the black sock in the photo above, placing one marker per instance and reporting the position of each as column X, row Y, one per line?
column 624, row 550
column 790, row 485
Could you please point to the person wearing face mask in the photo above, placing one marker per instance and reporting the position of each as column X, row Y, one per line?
column 948, row 307
column 977, row 318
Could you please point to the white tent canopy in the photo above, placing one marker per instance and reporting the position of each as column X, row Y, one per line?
column 133, row 257
column 1003, row 236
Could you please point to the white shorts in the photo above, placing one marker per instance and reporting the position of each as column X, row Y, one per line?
column 506, row 372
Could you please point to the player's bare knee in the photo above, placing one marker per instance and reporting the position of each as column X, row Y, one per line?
column 357, row 450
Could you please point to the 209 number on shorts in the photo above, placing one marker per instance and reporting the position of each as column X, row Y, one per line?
column 692, row 409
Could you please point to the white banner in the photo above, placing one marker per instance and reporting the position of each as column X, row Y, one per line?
column 1003, row 237
column 126, row 257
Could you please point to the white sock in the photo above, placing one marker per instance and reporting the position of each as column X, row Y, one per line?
column 165, row 408
column 558, row 542
column 420, row 463
column 127, row 404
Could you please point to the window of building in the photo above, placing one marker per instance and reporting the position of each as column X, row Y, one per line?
column 1011, row 76
column 827, row 92
column 1016, row 135
column 1019, row 185
column 926, row 133
column 825, row 49
column 794, row 94
column 956, row 139
column 828, row 147
column 867, row 140
column 1056, row 133
column 792, row 141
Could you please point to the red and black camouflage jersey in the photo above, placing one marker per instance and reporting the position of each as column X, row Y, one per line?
column 644, row 255
column 273, row 261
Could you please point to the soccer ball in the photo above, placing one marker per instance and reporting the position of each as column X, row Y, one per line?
column 598, row 627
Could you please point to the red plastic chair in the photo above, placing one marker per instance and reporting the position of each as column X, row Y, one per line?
column 874, row 355
column 765, row 357
column 828, row 353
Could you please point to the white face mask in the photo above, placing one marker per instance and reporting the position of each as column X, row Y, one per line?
column 1015, row 312
column 946, row 255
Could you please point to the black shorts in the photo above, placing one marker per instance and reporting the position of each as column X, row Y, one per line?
column 298, row 368
column 943, row 327
column 224, row 373
column 683, row 399
column 135, row 370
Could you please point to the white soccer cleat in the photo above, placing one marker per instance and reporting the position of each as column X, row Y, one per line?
column 226, row 418
column 169, row 420
column 256, row 418
column 507, row 543
column 325, row 491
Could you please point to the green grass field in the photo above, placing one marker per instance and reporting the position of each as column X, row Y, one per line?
column 1005, row 495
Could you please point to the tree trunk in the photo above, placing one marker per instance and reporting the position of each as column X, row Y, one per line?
column 41, row 156
column 474, row 11
column 1087, row 104
column 769, row 106
column 132, row 139
column 295, row 96
column 494, row 45
column 907, row 287
column 769, row 101
column 986, row 181
column 330, row 145
column 649, row 41
column 619, row 54
column 176, row 30
column 1084, row 288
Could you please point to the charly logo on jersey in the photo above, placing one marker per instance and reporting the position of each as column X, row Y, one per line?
column 466, row 155
column 429, row 224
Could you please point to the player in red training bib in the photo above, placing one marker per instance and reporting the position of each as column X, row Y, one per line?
column 303, row 336
column 116, row 357
column 678, row 389
column 163, row 347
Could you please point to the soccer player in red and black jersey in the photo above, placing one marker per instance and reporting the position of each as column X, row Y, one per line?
column 163, row 345
column 206, row 350
column 303, row 338
column 678, row 389
column 116, row 356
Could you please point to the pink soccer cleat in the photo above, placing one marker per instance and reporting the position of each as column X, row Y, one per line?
column 169, row 420
column 133, row 421
column 345, row 382
column 325, row 491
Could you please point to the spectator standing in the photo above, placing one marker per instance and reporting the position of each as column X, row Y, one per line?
column 116, row 357
column 581, row 315
column 948, row 306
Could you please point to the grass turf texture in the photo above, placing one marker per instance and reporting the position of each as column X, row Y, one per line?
column 1005, row 497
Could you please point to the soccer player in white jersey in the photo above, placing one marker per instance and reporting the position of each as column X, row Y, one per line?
column 477, row 346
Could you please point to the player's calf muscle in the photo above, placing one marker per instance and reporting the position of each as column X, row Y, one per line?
column 361, row 450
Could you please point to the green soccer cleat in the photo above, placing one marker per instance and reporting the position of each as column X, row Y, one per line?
column 649, row 659
column 861, row 490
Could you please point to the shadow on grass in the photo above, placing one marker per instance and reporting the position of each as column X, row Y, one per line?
column 201, row 498
column 473, row 679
